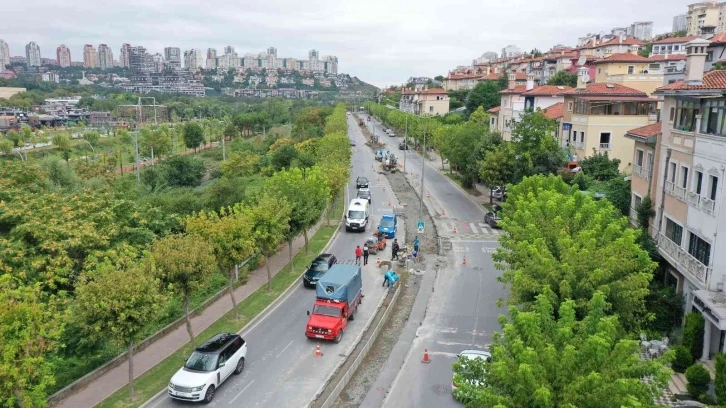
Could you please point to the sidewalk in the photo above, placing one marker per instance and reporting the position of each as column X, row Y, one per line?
column 113, row 380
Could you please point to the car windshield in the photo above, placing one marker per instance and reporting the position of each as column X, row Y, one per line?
column 362, row 180
column 364, row 193
column 319, row 266
column 356, row 215
column 386, row 223
column 202, row 361
column 326, row 310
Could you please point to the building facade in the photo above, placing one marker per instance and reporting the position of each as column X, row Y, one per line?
column 4, row 55
column 679, row 23
column 193, row 59
column 32, row 54
column 63, row 56
column 425, row 102
column 173, row 57
column 211, row 58
column 123, row 59
column 642, row 30
column 511, row 51
column 704, row 14
column 105, row 57
column 90, row 57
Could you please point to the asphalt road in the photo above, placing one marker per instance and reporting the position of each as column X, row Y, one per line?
column 462, row 312
column 281, row 370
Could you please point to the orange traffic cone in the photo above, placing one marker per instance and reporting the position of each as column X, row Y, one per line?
column 464, row 263
column 389, row 203
column 318, row 353
column 426, row 358
column 378, row 262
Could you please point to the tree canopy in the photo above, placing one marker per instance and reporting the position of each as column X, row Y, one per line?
column 484, row 94
column 563, row 78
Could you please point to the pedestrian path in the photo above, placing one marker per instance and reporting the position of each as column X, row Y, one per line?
column 470, row 230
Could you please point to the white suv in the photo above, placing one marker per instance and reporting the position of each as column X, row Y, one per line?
column 209, row 365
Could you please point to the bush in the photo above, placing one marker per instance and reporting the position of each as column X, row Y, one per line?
column 720, row 382
column 698, row 380
column 682, row 359
column 693, row 334
column 183, row 171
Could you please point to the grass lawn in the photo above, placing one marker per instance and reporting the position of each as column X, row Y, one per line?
column 158, row 377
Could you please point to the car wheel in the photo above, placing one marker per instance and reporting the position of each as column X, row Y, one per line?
column 209, row 396
column 352, row 315
column 240, row 366
column 337, row 338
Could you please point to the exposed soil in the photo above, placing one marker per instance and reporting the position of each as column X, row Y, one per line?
column 366, row 375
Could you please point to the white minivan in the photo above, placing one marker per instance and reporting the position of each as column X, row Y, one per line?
column 357, row 216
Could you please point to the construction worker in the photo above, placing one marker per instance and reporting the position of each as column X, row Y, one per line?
column 365, row 254
column 358, row 254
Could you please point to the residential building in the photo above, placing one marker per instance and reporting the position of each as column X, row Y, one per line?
column 123, row 59
column 463, row 81
column 643, row 182
column 511, row 51
column 486, row 57
column 618, row 45
column 689, row 199
column 63, row 56
column 158, row 62
column 518, row 99
column 90, row 56
column 50, row 76
column 425, row 102
column 4, row 55
column 618, row 31
column 634, row 71
column 642, row 30
column 671, row 45
column 173, row 57
column 32, row 54
column 679, row 23
column 148, row 75
column 105, row 57
column 211, row 62
column 230, row 59
column 494, row 118
column 704, row 14
column 140, row 61
column 716, row 51
column 193, row 59
column 597, row 116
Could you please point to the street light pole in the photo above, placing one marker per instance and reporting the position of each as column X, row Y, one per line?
column 138, row 164
column 423, row 166
column 405, row 145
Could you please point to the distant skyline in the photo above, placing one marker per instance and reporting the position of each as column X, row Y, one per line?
column 381, row 42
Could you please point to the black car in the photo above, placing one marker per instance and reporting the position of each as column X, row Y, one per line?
column 492, row 218
column 365, row 194
column 317, row 268
column 361, row 182
column 402, row 146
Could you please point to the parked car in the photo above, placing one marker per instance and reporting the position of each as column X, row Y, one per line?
column 317, row 268
column 492, row 218
column 208, row 367
column 402, row 146
column 391, row 133
column 498, row 192
column 365, row 194
column 456, row 381
column 361, row 182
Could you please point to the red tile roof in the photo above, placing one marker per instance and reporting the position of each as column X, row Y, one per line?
column 614, row 41
column 520, row 76
column 549, row 90
column 676, row 40
column 555, row 111
column 434, row 91
column 719, row 38
column 464, row 76
column 518, row 89
column 495, row 109
column 622, row 57
column 647, row 131
column 713, row 80
column 598, row 89
column 667, row 57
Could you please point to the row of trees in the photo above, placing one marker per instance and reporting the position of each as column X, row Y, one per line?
column 85, row 266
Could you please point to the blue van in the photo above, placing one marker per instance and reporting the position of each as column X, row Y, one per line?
column 388, row 225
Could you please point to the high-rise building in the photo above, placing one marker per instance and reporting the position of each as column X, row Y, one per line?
column 63, row 56
column 90, row 56
column 486, row 57
column 272, row 51
column 679, row 23
column 158, row 62
column 511, row 51
column 230, row 59
column 211, row 62
column 4, row 55
column 140, row 61
column 105, row 57
column 642, row 30
column 173, row 57
column 706, row 14
column 32, row 54
column 193, row 59
column 123, row 59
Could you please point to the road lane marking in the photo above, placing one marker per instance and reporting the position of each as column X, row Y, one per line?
column 159, row 401
column 240, row 393
column 443, row 354
column 473, row 228
column 283, row 350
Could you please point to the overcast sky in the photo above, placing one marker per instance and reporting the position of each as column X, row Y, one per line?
column 383, row 42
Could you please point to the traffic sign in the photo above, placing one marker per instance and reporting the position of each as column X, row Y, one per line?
column 420, row 226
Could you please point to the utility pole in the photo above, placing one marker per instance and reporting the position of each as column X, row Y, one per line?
column 405, row 145
column 138, row 164
column 423, row 166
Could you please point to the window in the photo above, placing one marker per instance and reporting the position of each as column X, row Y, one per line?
column 684, row 176
column 712, row 187
column 599, row 71
column 431, row 108
column 649, row 160
column 569, row 106
column 639, row 155
column 714, row 111
column 582, row 137
column 493, row 121
column 699, row 249
column 709, row 56
column 636, row 201
column 673, row 113
column 631, row 69
column 698, row 182
column 672, row 172
column 604, row 140
column 686, row 112
column 673, row 231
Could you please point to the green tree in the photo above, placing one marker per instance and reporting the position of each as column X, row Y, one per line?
column 240, row 164
column 118, row 305
column 193, row 135
column 479, row 116
column 537, row 150
column 498, row 167
column 600, row 167
column 484, row 94
column 270, row 218
column 6, row 146
column 720, row 381
column 184, row 264
column 560, row 238
column 30, row 326
column 337, row 176
column 154, row 142
column 699, row 380
column 230, row 234
column 563, row 78
column 183, row 171
column 283, row 157
column 693, row 334
column 547, row 357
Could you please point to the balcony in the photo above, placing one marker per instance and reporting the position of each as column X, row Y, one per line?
column 684, row 262
column 642, row 172
column 604, row 146
column 676, row 191
column 633, row 216
column 702, row 203
column 578, row 145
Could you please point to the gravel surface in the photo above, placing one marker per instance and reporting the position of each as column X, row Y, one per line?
column 367, row 373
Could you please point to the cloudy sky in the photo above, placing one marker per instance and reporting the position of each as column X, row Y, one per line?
column 381, row 41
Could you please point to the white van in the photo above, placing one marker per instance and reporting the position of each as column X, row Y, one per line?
column 357, row 216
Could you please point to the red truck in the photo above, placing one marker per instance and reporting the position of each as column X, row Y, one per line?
column 338, row 293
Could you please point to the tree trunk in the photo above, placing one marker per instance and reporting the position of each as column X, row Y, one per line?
column 152, row 156
column 491, row 196
column 19, row 397
column 121, row 162
column 231, row 292
column 330, row 210
column 131, row 370
column 289, row 246
column 189, row 321
column 305, row 234
column 269, row 274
